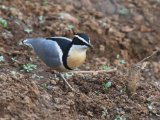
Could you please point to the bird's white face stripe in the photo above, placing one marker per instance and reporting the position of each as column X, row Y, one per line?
column 82, row 39
column 60, row 52
column 62, row 38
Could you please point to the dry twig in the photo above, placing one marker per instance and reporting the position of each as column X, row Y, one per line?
column 94, row 72
column 134, row 73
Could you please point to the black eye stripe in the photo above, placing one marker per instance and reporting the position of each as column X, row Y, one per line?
column 79, row 42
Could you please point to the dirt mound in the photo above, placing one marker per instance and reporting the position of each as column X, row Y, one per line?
column 122, row 34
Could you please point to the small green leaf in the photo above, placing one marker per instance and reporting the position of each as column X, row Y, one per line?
column 68, row 75
column 107, row 85
column 122, row 61
column 97, row 92
column 105, row 67
column 35, row 76
column 122, row 10
column 3, row 22
column 1, row 58
column 69, row 27
column 28, row 67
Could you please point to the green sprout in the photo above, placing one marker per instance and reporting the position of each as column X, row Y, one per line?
column 119, row 117
column 68, row 75
column 105, row 67
column 38, row 77
column 121, row 60
column 122, row 10
column 28, row 67
column 44, row 85
column 2, row 58
column 3, row 23
column 104, row 113
column 107, row 85
column 98, row 92
column 70, row 27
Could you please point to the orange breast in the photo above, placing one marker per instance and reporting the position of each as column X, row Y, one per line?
column 76, row 59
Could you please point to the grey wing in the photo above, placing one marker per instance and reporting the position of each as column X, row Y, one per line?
column 47, row 50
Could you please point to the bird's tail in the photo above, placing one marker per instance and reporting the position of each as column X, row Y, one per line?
column 27, row 42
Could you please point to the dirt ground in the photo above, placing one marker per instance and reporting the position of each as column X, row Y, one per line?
column 123, row 32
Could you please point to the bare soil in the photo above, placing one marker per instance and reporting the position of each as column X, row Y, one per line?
column 130, row 29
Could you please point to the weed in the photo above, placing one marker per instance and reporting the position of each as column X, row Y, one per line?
column 118, row 116
column 98, row 92
column 105, row 67
column 44, row 85
column 104, row 113
column 122, row 10
column 121, row 60
column 3, row 22
column 69, row 27
column 28, row 67
column 35, row 76
column 107, row 85
column 68, row 75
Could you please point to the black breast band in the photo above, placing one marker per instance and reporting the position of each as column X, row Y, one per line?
column 64, row 57
column 65, row 46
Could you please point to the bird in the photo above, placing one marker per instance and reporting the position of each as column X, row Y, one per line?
column 61, row 53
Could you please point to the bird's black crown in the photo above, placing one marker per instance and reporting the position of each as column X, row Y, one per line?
column 81, row 39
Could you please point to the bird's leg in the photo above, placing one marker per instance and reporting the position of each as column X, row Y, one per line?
column 65, row 81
